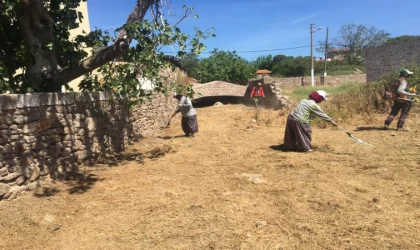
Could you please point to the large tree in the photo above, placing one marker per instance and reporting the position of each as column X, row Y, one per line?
column 264, row 62
column 226, row 66
column 353, row 39
column 35, row 38
column 190, row 62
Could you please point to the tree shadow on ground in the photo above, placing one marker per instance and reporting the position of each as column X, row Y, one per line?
column 371, row 129
column 170, row 137
column 118, row 159
column 46, row 192
column 80, row 183
column 77, row 182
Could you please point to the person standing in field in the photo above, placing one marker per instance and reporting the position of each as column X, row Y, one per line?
column 402, row 101
column 257, row 93
column 298, row 134
column 189, row 116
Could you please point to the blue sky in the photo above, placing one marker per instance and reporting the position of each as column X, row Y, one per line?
column 249, row 25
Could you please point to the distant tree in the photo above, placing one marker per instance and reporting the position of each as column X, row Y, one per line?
column 401, row 39
column 226, row 66
column 292, row 66
column 190, row 63
column 264, row 62
column 278, row 58
column 321, row 47
column 353, row 39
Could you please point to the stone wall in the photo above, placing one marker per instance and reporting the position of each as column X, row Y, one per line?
column 218, row 88
column 292, row 82
column 45, row 136
column 390, row 58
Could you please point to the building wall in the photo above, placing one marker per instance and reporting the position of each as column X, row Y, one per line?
column 390, row 58
column 292, row 82
column 84, row 26
column 45, row 136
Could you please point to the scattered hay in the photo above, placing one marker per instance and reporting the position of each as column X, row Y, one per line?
column 160, row 151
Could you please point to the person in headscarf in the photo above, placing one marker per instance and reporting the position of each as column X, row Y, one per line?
column 189, row 116
column 298, row 134
column 257, row 93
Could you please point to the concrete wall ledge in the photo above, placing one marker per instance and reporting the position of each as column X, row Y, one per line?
column 13, row 101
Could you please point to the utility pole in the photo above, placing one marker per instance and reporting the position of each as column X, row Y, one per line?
column 312, row 55
column 312, row 52
column 326, row 53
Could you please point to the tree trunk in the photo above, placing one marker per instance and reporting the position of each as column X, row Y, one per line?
column 37, row 28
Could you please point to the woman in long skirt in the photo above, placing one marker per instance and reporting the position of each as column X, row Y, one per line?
column 189, row 116
column 298, row 134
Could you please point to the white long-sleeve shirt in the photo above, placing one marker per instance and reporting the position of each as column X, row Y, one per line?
column 304, row 109
column 402, row 88
column 185, row 107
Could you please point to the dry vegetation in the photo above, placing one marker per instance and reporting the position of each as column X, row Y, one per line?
column 231, row 188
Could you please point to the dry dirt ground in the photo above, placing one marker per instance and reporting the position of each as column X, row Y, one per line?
column 231, row 188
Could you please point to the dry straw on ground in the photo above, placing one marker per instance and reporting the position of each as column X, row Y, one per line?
column 230, row 188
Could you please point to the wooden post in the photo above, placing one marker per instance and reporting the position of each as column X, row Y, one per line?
column 326, row 53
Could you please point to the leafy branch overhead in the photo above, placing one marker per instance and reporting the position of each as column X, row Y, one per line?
column 35, row 34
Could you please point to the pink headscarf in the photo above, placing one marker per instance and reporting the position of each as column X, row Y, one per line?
column 316, row 97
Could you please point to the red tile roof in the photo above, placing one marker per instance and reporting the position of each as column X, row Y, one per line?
column 263, row 71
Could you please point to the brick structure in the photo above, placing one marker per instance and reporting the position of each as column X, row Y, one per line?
column 45, row 136
column 390, row 58
column 218, row 88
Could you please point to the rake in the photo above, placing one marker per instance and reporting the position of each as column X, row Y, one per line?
column 351, row 136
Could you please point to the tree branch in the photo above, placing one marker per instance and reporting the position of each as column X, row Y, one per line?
column 108, row 54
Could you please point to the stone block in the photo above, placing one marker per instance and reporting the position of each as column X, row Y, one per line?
column 14, row 192
column 5, row 133
column 35, row 174
column 27, row 100
column 30, row 128
column 11, row 176
column 38, row 145
column 8, row 149
column 12, row 169
column 20, row 181
column 91, row 123
column 42, row 153
column 67, row 130
column 82, row 155
column 66, row 152
column 27, row 158
column 3, row 171
column 4, row 189
column 77, row 145
column 53, row 151
column 8, row 102
column 67, row 98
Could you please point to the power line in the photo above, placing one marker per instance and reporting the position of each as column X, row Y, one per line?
column 253, row 51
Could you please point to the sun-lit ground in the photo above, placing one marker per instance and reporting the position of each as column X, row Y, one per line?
column 231, row 188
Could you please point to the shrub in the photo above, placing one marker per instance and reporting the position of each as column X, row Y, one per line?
column 366, row 100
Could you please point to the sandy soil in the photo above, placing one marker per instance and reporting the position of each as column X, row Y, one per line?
column 231, row 188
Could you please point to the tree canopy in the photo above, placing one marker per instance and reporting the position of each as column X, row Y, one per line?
column 37, row 55
column 225, row 66
column 190, row 62
column 353, row 39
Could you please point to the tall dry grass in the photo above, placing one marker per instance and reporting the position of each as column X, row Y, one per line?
column 366, row 100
